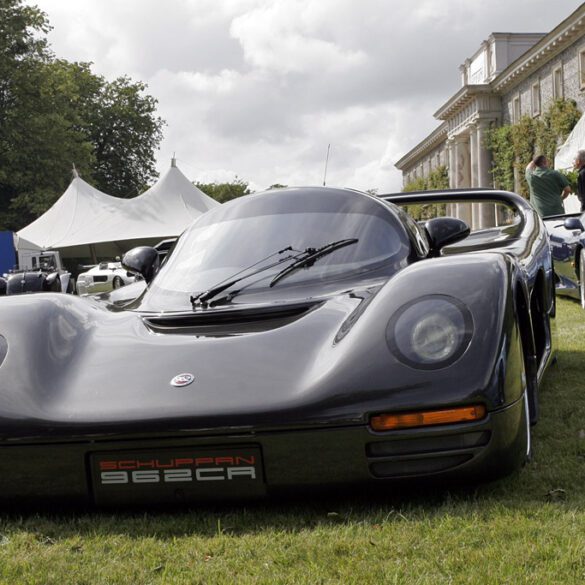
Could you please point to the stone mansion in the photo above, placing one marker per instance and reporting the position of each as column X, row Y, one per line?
column 511, row 75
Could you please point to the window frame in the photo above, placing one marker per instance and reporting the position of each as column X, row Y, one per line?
column 557, row 92
column 581, row 64
column 535, row 91
column 516, row 109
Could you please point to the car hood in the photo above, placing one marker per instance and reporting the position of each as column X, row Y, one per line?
column 73, row 367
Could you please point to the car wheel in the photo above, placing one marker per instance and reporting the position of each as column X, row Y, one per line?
column 117, row 282
column 582, row 277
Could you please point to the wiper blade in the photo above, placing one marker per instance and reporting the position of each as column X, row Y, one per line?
column 311, row 255
column 205, row 296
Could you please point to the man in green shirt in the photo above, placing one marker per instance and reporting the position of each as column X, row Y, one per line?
column 547, row 187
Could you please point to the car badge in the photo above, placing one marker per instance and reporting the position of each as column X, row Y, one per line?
column 182, row 380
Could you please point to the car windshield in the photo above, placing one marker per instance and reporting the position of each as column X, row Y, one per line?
column 237, row 235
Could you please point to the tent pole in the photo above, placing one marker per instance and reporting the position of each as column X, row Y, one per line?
column 93, row 254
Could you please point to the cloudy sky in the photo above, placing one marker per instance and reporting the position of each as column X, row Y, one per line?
column 259, row 88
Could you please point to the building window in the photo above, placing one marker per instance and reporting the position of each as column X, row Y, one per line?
column 558, row 83
column 536, row 99
column 516, row 112
column 582, row 68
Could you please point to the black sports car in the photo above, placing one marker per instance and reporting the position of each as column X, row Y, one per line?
column 304, row 337
column 567, row 240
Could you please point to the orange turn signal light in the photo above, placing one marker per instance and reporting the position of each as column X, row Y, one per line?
column 408, row 420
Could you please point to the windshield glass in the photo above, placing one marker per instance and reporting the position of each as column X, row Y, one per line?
column 239, row 234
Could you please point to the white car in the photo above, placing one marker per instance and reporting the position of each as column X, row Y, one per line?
column 104, row 277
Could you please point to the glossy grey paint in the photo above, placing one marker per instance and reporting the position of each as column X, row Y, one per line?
column 79, row 370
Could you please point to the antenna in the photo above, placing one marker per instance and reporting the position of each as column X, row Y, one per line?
column 326, row 161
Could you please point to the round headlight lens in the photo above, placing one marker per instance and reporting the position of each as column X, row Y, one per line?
column 3, row 348
column 430, row 333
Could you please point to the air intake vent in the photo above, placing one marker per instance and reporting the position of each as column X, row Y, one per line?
column 216, row 323
column 406, row 456
column 417, row 466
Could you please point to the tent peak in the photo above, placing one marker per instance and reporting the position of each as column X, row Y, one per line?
column 74, row 171
column 173, row 161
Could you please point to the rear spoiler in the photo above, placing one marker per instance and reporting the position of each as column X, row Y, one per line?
column 460, row 195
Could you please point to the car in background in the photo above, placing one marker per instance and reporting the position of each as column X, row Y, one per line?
column 129, row 293
column 104, row 277
column 43, row 272
column 567, row 242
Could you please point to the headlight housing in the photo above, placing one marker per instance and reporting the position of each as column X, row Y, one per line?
column 431, row 332
column 3, row 348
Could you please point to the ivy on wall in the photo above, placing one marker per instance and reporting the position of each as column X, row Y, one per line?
column 437, row 180
column 514, row 145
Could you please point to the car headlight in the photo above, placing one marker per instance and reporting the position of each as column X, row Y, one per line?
column 431, row 332
column 3, row 348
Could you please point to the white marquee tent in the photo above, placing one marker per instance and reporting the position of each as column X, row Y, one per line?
column 565, row 156
column 84, row 220
column 72, row 210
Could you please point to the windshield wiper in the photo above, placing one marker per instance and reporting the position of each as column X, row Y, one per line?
column 311, row 255
column 205, row 296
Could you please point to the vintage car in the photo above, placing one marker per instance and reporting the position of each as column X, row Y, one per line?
column 104, row 277
column 48, row 275
column 121, row 296
column 294, row 339
column 567, row 240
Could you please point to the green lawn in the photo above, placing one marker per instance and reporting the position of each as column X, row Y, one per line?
column 528, row 528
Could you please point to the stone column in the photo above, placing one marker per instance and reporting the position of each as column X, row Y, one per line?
column 484, row 161
column 451, row 163
column 488, row 212
column 463, row 175
column 473, row 156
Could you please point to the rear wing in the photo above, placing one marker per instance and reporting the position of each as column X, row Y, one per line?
column 461, row 195
column 516, row 239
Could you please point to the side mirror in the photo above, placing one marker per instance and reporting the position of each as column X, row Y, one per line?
column 573, row 223
column 142, row 260
column 443, row 231
column 52, row 282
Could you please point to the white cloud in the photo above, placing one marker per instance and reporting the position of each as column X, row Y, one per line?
column 282, row 36
column 259, row 88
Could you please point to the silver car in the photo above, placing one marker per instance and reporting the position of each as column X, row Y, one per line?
column 104, row 277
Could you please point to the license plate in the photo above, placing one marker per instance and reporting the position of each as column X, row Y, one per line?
column 176, row 474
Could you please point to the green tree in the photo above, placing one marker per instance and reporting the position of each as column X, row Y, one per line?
column 22, row 48
column 54, row 113
column 223, row 192
column 125, row 133
column 46, row 137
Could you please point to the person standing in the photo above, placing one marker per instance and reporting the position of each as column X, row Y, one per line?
column 547, row 187
column 579, row 165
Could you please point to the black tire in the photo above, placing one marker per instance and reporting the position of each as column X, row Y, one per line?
column 117, row 282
